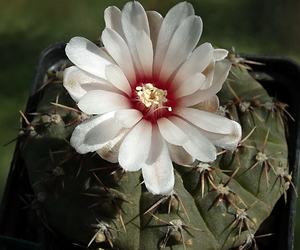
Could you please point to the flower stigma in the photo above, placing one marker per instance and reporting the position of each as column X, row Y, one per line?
column 151, row 100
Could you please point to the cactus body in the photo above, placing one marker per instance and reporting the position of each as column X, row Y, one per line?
column 219, row 205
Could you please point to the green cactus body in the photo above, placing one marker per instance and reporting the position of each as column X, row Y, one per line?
column 219, row 205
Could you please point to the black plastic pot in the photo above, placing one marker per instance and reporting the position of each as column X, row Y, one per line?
column 16, row 228
column 21, row 229
column 280, row 76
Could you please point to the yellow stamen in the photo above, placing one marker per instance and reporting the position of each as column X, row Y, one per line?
column 151, row 96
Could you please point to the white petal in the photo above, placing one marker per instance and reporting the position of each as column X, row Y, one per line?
column 144, row 52
column 116, row 76
column 220, row 74
column 79, row 82
column 134, row 150
column 171, row 132
column 168, row 27
column 181, row 45
column 100, row 102
column 135, row 24
column 155, row 20
column 90, row 135
column 112, row 18
column 110, row 149
column 190, row 86
column 179, row 155
column 88, row 56
column 220, row 54
column 209, row 74
column 228, row 141
column 118, row 49
column 134, row 19
column 209, row 105
column 196, row 63
column 127, row 118
column 158, row 170
column 197, row 144
column 207, row 121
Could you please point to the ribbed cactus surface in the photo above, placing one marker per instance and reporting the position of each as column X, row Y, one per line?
column 217, row 205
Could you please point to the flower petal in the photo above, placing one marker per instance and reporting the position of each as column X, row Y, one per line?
column 134, row 150
column 179, row 49
column 118, row 49
column 171, row 132
column 179, row 155
column 169, row 25
column 112, row 18
column 79, row 82
column 209, row 74
column 117, row 78
column 155, row 20
column 220, row 74
column 207, row 121
column 88, row 56
column 196, row 63
column 197, row 144
column 110, row 149
column 92, row 133
column 158, row 170
column 136, row 30
column 209, row 105
column 127, row 118
column 228, row 141
column 101, row 101
column 220, row 54
column 190, row 86
column 134, row 19
column 144, row 51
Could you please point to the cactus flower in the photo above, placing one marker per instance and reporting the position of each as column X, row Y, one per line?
column 150, row 93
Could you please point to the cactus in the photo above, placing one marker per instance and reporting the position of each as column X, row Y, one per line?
column 217, row 205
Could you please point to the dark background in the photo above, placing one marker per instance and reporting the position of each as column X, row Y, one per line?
column 269, row 27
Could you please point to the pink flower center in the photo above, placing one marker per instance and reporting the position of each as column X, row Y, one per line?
column 151, row 101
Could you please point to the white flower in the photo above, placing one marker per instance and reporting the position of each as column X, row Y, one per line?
column 152, row 96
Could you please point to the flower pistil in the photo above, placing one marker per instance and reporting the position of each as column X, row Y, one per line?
column 150, row 100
